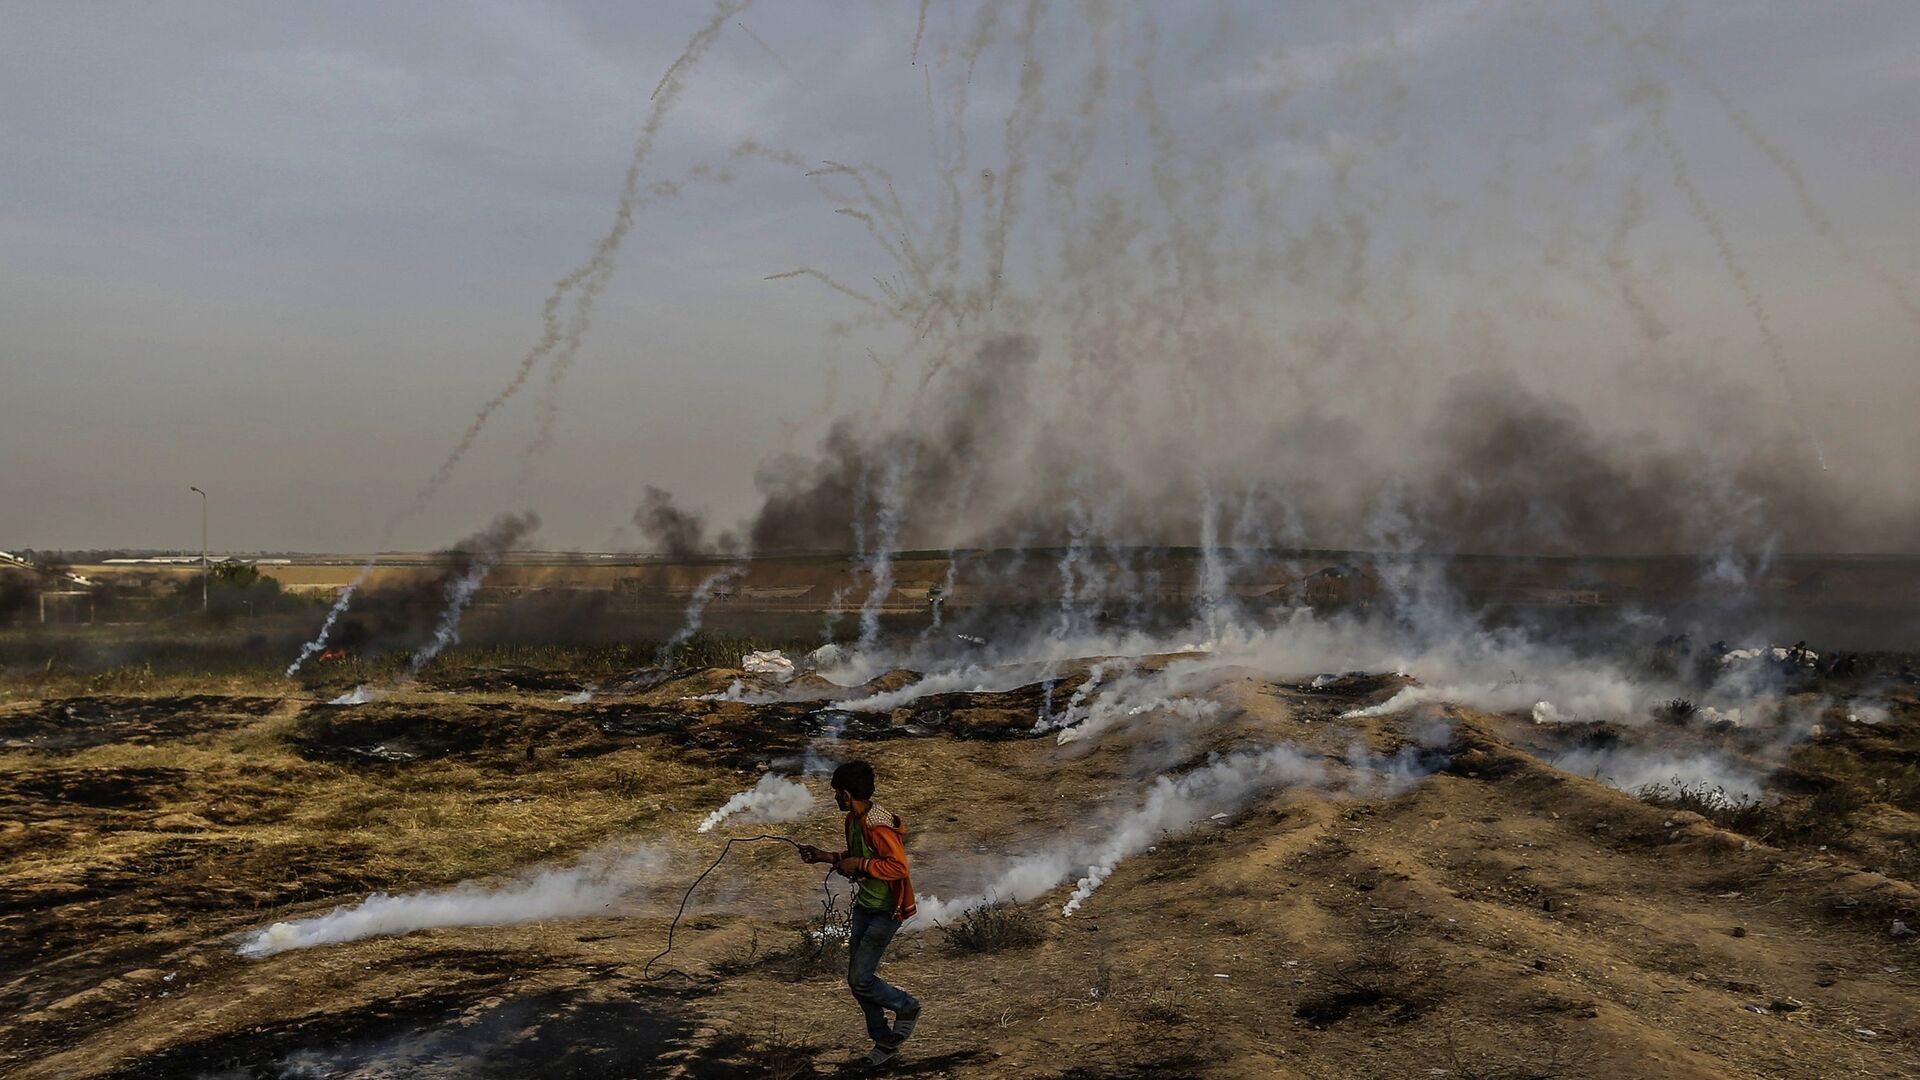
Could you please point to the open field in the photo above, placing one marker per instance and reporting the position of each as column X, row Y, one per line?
column 1486, row 915
column 1371, row 539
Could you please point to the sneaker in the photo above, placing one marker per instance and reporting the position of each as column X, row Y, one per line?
column 880, row 1055
column 904, row 1023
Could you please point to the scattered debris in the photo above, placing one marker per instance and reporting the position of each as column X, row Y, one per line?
column 772, row 662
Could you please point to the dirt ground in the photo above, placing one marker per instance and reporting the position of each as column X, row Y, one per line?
column 1500, row 918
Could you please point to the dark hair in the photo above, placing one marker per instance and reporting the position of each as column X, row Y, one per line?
column 855, row 778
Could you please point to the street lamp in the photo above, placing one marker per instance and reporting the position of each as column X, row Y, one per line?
column 205, row 567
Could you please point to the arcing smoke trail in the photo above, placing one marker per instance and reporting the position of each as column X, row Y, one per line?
column 774, row 798
column 1717, row 229
column 590, row 278
column 593, row 882
column 1137, row 301
column 1654, row 96
column 1821, row 221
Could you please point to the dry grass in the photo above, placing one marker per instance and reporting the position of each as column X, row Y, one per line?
column 1386, row 920
column 427, row 823
column 1546, row 1058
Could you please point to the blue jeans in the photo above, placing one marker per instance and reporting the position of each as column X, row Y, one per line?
column 868, row 933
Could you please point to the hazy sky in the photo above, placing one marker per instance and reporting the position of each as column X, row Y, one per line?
column 284, row 251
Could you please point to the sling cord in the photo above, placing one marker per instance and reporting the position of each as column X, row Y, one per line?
column 646, row 972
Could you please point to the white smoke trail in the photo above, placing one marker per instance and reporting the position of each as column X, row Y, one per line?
column 340, row 605
column 484, row 551
column 1178, row 804
column 971, row 679
column 1018, row 881
column 584, row 283
column 947, row 583
column 1211, row 593
column 774, row 798
column 735, row 691
column 887, row 535
column 696, row 611
column 1103, row 714
column 830, row 621
column 459, row 592
column 1577, row 692
column 1172, row 805
column 1074, row 712
column 1075, row 565
column 596, row 880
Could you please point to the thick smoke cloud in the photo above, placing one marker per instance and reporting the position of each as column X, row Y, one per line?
column 823, row 503
column 668, row 528
column 1500, row 470
column 473, row 559
column 1137, row 331
column 1514, row 472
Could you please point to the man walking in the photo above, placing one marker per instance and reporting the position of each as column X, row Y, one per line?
column 875, row 859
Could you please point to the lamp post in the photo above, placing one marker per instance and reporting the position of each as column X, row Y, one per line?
column 205, row 567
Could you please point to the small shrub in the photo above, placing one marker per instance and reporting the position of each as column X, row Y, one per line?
column 821, row 946
column 1827, row 817
column 743, row 956
column 1161, row 1009
column 1386, row 973
column 1900, row 787
column 627, row 784
column 1676, row 711
column 1740, row 813
column 994, row 926
column 776, row 1055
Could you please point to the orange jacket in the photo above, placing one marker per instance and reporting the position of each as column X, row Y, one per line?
column 886, row 836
